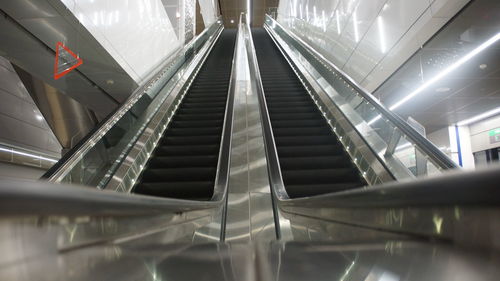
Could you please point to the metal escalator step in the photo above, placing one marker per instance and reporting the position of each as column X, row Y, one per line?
column 304, row 190
column 306, row 150
column 192, row 104
column 183, row 161
column 200, row 99
column 321, row 130
column 197, row 117
column 274, row 104
column 298, row 123
column 288, row 99
column 195, row 123
column 179, row 174
column 320, row 176
column 311, row 140
column 295, row 109
column 201, row 132
column 315, row 162
column 191, row 140
column 193, row 190
column 219, row 110
column 186, row 150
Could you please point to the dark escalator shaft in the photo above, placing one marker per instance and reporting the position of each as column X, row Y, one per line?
column 311, row 157
column 185, row 162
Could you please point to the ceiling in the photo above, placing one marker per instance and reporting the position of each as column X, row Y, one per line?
column 231, row 10
column 470, row 89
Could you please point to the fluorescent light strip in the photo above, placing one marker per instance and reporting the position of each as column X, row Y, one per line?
column 442, row 74
column 338, row 21
column 315, row 19
column 355, row 23
column 445, row 72
column 11, row 150
column 300, row 11
column 479, row 117
column 324, row 21
column 381, row 33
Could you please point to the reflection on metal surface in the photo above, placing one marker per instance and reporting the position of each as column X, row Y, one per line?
column 381, row 260
column 387, row 261
column 440, row 207
column 25, row 157
column 69, row 120
column 66, row 217
column 249, row 210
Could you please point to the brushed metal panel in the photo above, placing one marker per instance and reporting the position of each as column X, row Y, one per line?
column 50, row 21
column 28, row 53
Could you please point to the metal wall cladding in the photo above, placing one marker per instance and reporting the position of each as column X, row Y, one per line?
column 21, row 123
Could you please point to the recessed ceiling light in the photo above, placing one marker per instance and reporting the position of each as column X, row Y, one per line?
column 442, row 89
column 483, row 66
column 232, row 21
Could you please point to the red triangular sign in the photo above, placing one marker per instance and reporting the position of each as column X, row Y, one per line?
column 66, row 61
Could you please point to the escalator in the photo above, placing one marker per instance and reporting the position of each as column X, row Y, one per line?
column 312, row 159
column 244, row 224
column 184, row 164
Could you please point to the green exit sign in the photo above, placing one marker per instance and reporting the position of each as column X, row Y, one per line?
column 494, row 135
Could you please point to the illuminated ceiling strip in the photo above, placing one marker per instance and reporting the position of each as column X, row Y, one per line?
column 445, row 72
column 355, row 23
column 324, row 21
column 11, row 150
column 442, row 74
column 479, row 117
column 338, row 21
column 315, row 18
column 381, row 31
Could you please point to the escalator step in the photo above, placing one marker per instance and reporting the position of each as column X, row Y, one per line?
column 315, row 162
column 320, row 176
column 198, row 117
column 317, row 150
column 311, row 140
column 322, row 130
column 297, row 190
column 191, row 140
column 192, row 104
column 195, row 123
column 186, row 150
column 183, row 161
column 200, row 132
column 178, row 174
column 198, row 111
column 298, row 123
column 193, row 190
